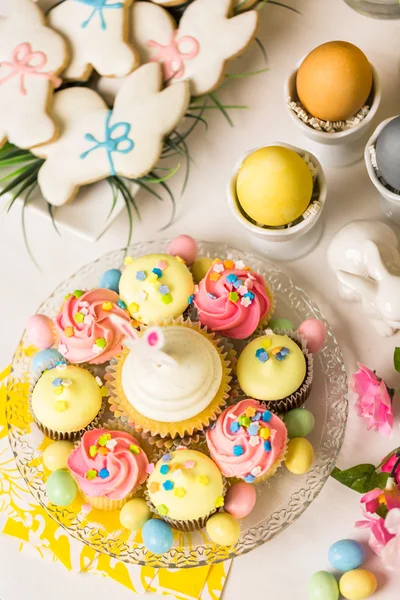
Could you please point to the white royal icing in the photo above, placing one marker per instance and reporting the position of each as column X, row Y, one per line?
column 96, row 31
column 125, row 141
column 177, row 391
column 31, row 56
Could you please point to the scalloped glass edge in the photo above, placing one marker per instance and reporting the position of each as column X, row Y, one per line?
column 206, row 553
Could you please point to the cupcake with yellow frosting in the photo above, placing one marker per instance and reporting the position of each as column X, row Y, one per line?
column 277, row 369
column 66, row 401
column 156, row 287
column 172, row 381
column 185, row 488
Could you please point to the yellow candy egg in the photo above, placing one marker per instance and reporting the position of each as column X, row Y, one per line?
column 200, row 268
column 134, row 514
column 334, row 81
column 299, row 456
column 56, row 455
column 274, row 186
column 223, row 529
column 358, row 584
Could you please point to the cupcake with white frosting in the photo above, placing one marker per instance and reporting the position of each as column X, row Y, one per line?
column 171, row 381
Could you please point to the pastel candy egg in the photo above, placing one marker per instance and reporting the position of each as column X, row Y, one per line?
column 40, row 331
column 56, row 455
column 240, row 500
column 61, row 488
column 110, row 280
column 134, row 514
column 157, row 536
column 323, row 586
column 285, row 324
column 299, row 456
column 185, row 247
column 314, row 332
column 358, row 584
column 346, row 555
column 299, row 422
column 45, row 358
column 223, row 529
column 200, row 268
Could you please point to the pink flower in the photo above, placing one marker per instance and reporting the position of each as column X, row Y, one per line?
column 388, row 466
column 380, row 536
column 391, row 551
column 375, row 498
column 374, row 403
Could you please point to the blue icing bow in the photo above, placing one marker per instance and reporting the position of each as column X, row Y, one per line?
column 98, row 7
column 111, row 144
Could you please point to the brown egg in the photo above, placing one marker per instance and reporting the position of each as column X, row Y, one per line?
column 334, row 81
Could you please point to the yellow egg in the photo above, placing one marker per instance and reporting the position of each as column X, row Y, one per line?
column 334, row 81
column 274, row 186
column 56, row 455
column 358, row 584
column 299, row 456
column 134, row 514
column 200, row 267
column 223, row 529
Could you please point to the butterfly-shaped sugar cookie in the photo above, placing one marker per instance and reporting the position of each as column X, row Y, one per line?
column 126, row 141
column 31, row 57
column 207, row 38
column 97, row 31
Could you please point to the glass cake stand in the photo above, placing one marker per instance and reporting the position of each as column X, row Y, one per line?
column 280, row 501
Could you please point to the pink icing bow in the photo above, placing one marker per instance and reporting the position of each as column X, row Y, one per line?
column 23, row 64
column 172, row 57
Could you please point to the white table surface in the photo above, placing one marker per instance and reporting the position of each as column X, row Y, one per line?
column 279, row 569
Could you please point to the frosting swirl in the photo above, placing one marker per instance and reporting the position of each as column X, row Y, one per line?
column 87, row 334
column 174, row 392
column 247, row 440
column 232, row 299
column 108, row 463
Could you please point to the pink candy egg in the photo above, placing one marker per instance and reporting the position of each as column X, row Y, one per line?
column 314, row 332
column 185, row 247
column 40, row 331
column 240, row 500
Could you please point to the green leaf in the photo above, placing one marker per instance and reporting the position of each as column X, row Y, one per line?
column 361, row 478
column 396, row 359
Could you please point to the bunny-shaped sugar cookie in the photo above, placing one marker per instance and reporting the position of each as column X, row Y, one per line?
column 365, row 257
column 31, row 57
column 97, row 31
column 198, row 50
column 125, row 141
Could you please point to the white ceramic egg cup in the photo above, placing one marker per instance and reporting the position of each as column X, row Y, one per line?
column 343, row 147
column 389, row 202
column 281, row 244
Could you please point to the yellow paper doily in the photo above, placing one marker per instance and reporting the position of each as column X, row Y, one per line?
column 24, row 519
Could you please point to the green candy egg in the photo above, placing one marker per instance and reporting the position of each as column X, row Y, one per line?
column 299, row 422
column 61, row 488
column 323, row 586
column 281, row 324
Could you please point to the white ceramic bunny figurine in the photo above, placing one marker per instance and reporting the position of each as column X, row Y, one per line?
column 365, row 257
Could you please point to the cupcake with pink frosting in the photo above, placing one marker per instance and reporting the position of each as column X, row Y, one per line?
column 248, row 442
column 232, row 299
column 86, row 329
column 108, row 466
